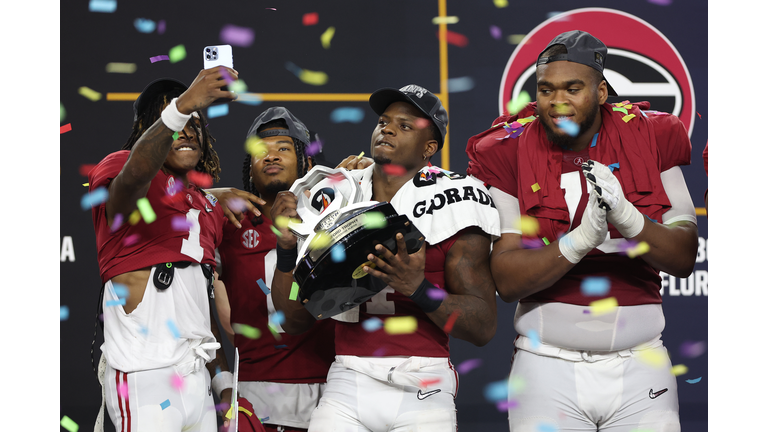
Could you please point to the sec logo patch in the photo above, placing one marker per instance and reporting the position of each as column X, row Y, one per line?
column 250, row 238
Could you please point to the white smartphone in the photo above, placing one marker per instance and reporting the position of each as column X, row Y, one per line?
column 217, row 55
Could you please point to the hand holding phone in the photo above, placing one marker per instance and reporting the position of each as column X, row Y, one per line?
column 217, row 55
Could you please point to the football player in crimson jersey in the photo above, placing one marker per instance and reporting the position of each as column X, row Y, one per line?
column 157, row 271
column 281, row 375
column 384, row 381
column 599, row 194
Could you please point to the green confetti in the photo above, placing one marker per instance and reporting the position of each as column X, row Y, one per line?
column 515, row 105
column 177, row 54
column 246, row 330
column 238, row 86
column 175, row 136
column 275, row 230
column 294, row 291
column 62, row 112
column 624, row 110
column 88, row 93
column 546, row 242
column 374, row 220
column 326, row 37
column 69, row 424
column 146, row 210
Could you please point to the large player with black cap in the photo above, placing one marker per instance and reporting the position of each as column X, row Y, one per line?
column 156, row 233
column 612, row 210
column 399, row 377
column 282, row 375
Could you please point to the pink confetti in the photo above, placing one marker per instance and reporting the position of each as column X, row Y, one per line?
column 236, row 204
column 117, row 222
column 314, row 148
column 428, row 382
column 180, row 223
column 222, row 406
column 122, row 390
column 336, row 178
column 692, row 349
column 131, row 239
column 436, row 294
column 661, row 2
column 422, row 123
column 468, row 365
column 495, row 32
column 379, row 352
column 161, row 27
column 393, row 170
column 235, row 35
column 177, row 381
column 271, row 9
column 200, row 179
column 506, row 405
column 158, row 58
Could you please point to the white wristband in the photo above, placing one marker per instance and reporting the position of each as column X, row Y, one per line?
column 173, row 119
column 222, row 381
column 627, row 219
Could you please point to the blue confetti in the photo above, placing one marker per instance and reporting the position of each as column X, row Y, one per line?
column 64, row 313
column 568, row 127
column 165, row 404
column 277, row 317
column 94, row 198
column 372, row 324
column 144, row 25
column 595, row 286
column 218, row 111
column 651, row 219
column 107, row 6
column 120, row 302
column 693, row 381
column 547, row 427
column 249, row 99
column 337, row 253
column 613, row 166
column 347, row 114
column 594, row 140
column 120, row 290
column 263, row 286
column 533, row 335
column 293, row 68
column 174, row 330
column 496, row 391
column 462, row 84
column 264, row 419
column 281, row 346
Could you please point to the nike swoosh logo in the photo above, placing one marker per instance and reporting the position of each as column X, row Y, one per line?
column 654, row 395
column 423, row 396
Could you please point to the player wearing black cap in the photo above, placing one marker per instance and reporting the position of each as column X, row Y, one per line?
column 395, row 378
column 604, row 186
column 156, row 233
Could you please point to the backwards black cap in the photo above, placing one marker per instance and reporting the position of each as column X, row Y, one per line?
column 155, row 89
column 296, row 128
column 582, row 48
column 415, row 95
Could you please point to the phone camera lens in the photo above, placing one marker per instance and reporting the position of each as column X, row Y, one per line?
column 208, row 57
column 207, row 50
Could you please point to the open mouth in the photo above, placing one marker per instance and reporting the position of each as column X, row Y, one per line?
column 185, row 148
column 384, row 144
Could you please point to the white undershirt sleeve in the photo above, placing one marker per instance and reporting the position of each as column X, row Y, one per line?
column 509, row 211
column 682, row 205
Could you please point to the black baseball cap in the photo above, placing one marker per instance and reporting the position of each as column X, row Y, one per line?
column 296, row 128
column 582, row 48
column 156, row 88
column 417, row 96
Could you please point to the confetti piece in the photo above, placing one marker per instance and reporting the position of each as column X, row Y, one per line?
column 698, row 113
column 236, row 35
column 614, row 166
column 177, row 54
column 360, row 156
column 692, row 349
column 495, row 32
column 400, row 325
column 374, row 220
column 246, row 330
column 276, row 231
column 461, row 84
column 144, row 25
column 158, row 58
column 425, row 383
column 314, row 148
column 535, row 187
column 604, row 306
column 533, row 335
column 134, row 217
column 515, row 105
column 422, row 123
column 161, row 27
column 64, row 313
column 313, row 77
column 445, row 20
column 468, row 365
column 326, row 37
column 436, row 294
column 516, row 385
column 110, row 303
column 121, row 291
column 379, row 352
column 263, row 286
column 454, row 38
column 500, row 3
column 238, row 86
column 320, row 240
column 255, row 147
column 121, row 68
column 338, row 254
column 228, row 415
column 451, row 321
column 69, row 424
column 506, row 405
column 496, row 391
column 347, row 114
column 66, row 128
column 678, row 370
column 569, row 127
column 172, row 327
column 372, row 324
column 548, row 427
column 310, row 18
column 620, row 109
column 638, row 250
column 281, row 346
column 652, row 357
column 62, row 113
column 177, row 382
column 693, row 381
column 94, row 198
column 515, row 39
column 123, row 390
column 249, row 99
column 200, row 179
column 274, row 9
column 146, row 211
column 294, row 291
column 393, row 170
column 661, row 2
column 106, row 6
column 131, row 240
column 627, row 118
column 595, row 286
column 529, row 225
column 278, row 317
column 165, row 404
column 180, row 223
column 88, row 93
column 218, row 111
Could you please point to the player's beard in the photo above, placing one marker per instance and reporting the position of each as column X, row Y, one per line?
column 277, row 186
column 381, row 160
column 565, row 141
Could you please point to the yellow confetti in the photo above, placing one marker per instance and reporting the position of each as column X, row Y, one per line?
column 255, row 147
column 281, row 221
column 313, row 77
column 360, row 156
column 529, row 225
column 91, row 94
column 326, row 37
column 121, row 68
column 638, row 250
column 228, row 415
column 523, row 121
column 445, row 20
column 628, row 106
column 501, row 3
column 604, row 306
column 619, row 104
column 515, row 105
column 238, row 86
column 515, row 39
column 561, row 108
column 134, row 218
column 678, row 370
column 652, row 357
column 86, row 184
column 628, row 117
column 400, row 325
column 535, row 187
column 320, row 240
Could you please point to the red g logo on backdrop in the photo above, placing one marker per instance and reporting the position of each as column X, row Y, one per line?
column 642, row 64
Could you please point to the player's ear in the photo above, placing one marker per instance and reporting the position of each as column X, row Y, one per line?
column 310, row 162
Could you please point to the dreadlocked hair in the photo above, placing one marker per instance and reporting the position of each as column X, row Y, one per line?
column 209, row 160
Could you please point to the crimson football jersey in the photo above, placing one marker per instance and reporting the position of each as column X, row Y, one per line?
column 429, row 340
column 633, row 281
column 192, row 237
column 248, row 256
